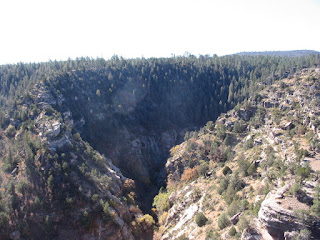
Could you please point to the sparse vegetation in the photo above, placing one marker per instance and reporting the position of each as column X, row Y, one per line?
column 223, row 221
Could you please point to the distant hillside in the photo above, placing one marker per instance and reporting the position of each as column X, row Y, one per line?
column 293, row 53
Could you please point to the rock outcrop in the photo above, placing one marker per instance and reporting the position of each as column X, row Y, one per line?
column 277, row 218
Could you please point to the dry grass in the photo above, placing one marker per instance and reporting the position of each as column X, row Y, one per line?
column 291, row 203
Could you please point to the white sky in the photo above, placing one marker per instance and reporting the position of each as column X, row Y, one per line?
column 39, row 30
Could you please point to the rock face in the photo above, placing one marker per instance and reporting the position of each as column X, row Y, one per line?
column 275, row 218
column 175, row 166
column 181, row 216
column 142, row 156
column 56, row 132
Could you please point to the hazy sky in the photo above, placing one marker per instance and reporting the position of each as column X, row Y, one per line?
column 39, row 30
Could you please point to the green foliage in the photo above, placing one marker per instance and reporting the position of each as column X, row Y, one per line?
column 243, row 223
column 252, row 169
column 85, row 220
column 183, row 237
column 315, row 208
column 301, row 153
column 4, row 220
column 257, row 207
column 227, row 141
column 223, row 221
column 77, row 137
column 229, row 186
column 106, row 210
column 221, row 131
column 234, row 208
column 161, row 202
column 295, row 188
column 70, row 203
column 270, row 158
column 148, row 219
column 212, row 235
column 226, row 170
column 37, row 204
column 22, row 187
column 243, row 164
column 95, row 198
column 266, row 189
column 236, row 182
column 10, row 131
column 50, row 181
column 187, row 136
column 248, row 144
column 229, row 153
column 209, row 125
column 9, row 161
column 191, row 145
column 304, row 216
column 239, row 127
column 277, row 115
column 304, row 234
column 220, row 153
column 304, row 172
column 232, row 231
column 201, row 219
column 259, row 117
column 203, row 168
column 283, row 85
column 223, row 184
column 49, row 226
column 230, row 195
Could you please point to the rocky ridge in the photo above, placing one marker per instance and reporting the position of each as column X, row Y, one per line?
column 273, row 138
column 111, row 216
